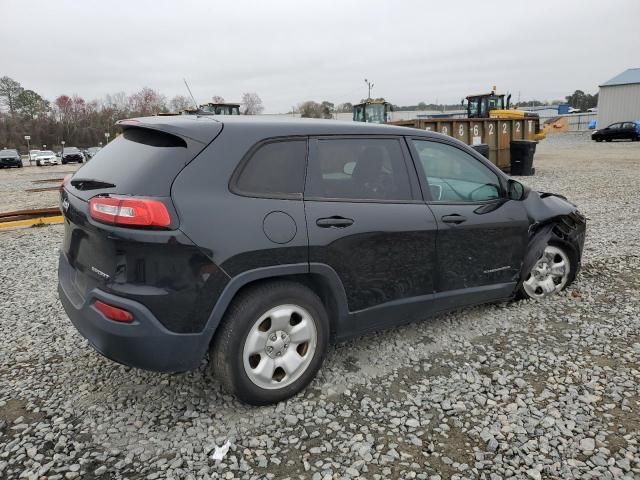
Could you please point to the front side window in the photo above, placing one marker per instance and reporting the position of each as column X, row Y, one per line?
column 275, row 169
column 363, row 169
column 454, row 176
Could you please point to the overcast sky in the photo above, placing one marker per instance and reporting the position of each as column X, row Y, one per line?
column 291, row 51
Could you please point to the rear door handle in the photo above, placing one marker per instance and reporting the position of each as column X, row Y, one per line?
column 455, row 219
column 335, row 222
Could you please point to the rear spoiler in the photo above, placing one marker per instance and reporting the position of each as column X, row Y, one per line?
column 201, row 129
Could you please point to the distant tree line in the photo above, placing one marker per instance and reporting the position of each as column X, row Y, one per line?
column 83, row 123
column 80, row 122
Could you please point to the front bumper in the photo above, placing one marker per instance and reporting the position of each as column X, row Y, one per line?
column 10, row 162
column 145, row 343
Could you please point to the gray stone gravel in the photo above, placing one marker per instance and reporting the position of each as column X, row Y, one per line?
column 14, row 182
column 521, row 390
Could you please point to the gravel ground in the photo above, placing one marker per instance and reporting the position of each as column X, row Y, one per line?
column 518, row 390
column 14, row 182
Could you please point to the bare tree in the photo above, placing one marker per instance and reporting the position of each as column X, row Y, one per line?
column 180, row 102
column 9, row 91
column 311, row 109
column 147, row 102
column 252, row 104
column 217, row 99
column 344, row 108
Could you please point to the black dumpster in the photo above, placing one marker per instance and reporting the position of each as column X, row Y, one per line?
column 482, row 149
column 522, row 157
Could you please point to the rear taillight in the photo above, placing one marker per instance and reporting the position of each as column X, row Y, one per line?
column 127, row 211
column 114, row 313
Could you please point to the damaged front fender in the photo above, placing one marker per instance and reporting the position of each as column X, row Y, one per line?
column 553, row 219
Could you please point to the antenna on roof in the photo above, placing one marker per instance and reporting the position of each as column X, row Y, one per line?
column 192, row 97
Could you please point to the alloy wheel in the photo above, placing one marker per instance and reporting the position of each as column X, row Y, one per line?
column 280, row 346
column 549, row 274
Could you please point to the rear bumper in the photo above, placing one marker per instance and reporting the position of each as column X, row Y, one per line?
column 145, row 343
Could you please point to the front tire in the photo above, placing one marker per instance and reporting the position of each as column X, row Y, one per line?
column 271, row 342
column 550, row 274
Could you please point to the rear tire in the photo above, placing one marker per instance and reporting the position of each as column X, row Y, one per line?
column 38, row 164
column 271, row 342
column 598, row 139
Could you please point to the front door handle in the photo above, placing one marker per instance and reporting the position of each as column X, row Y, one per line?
column 335, row 222
column 455, row 219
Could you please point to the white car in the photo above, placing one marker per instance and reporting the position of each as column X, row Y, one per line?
column 46, row 157
column 33, row 154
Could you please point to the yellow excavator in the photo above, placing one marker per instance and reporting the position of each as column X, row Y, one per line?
column 493, row 105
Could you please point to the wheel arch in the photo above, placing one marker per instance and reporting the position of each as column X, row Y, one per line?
column 556, row 231
column 319, row 278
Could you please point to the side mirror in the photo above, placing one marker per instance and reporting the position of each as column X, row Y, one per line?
column 516, row 190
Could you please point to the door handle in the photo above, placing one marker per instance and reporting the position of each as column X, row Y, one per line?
column 335, row 222
column 455, row 219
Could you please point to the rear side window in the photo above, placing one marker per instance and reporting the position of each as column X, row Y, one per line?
column 141, row 161
column 362, row 169
column 275, row 169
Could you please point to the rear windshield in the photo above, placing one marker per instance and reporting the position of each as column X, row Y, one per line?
column 138, row 162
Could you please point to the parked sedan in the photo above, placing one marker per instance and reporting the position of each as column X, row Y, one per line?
column 185, row 235
column 618, row 131
column 72, row 154
column 10, row 158
column 46, row 157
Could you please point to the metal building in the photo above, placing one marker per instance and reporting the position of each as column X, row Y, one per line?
column 619, row 98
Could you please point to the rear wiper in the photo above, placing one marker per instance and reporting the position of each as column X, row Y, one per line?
column 90, row 184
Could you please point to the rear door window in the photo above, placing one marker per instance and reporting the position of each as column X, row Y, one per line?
column 362, row 169
column 275, row 170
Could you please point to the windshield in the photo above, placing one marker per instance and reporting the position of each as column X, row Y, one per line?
column 495, row 103
column 375, row 113
column 46, row 152
column 71, row 150
column 8, row 152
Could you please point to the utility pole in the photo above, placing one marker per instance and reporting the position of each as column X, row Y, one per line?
column 370, row 85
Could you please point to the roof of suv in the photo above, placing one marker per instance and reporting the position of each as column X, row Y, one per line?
column 204, row 128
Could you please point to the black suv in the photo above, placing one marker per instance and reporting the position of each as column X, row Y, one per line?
column 72, row 154
column 10, row 158
column 262, row 240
